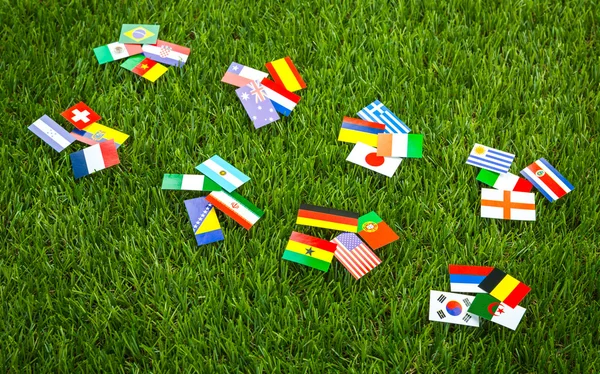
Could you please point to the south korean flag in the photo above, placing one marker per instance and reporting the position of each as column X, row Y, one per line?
column 451, row 307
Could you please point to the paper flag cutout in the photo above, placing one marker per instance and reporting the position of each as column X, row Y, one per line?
column 400, row 145
column 375, row 231
column 51, row 133
column 95, row 158
column 377, row 112
column 167, row 53
column 116, row 51
column 97, row 133
column 547, row 180
column 259, row 108
column 366, row 156
column 139, row 34
column 490, row 308
column 235, row 206
column 310, row 251
column 356, row 130
column 203, row 218
column 466, row 278
column 144, row 67
column 223, row 173
column 490, row 159
column 505, row 288
column 239, row 75
column 285, row 73
column 504, row 182
column 283, row 100
column 334, row 219
column 452, row 308
column 356, row 257
column 189, row 182
column 80, row 115
column 512, row 205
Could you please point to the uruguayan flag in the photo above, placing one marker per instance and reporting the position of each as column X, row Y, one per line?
column 490, row 159
column 377, row 112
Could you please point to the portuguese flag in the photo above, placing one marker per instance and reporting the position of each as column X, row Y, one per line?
column 310, row 251
column 316, row 216
column 375, row 231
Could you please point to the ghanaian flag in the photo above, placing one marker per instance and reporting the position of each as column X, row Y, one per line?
column 310, row 251
column 316, row 216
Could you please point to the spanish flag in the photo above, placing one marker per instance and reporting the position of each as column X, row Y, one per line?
column 310, row 251
column 284, row 72
column 316, row 216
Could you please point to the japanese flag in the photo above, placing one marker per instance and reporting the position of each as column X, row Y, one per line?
column 366, row 156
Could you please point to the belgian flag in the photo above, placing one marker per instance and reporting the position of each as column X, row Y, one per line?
column 310, row 251
column 505, row 288
column 316, row 216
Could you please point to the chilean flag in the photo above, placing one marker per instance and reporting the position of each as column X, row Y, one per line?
column 166, row 53
column 95, row 158
column 547, row 180
column 283, row 100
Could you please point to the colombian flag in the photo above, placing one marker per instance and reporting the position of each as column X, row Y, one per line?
column 284, row 72
column 310, row 251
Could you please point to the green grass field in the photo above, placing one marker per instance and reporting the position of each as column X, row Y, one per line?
column 103, row 274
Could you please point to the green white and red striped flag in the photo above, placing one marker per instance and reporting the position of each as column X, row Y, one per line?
column 189, row 182
column 235, row 206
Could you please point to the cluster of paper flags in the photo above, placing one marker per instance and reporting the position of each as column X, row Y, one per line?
column 147, row 56
column 497, row 300
column 510, row 196
column 381, row 139
column 103, row 140
column 261, row 97
column 350, row 249
column 221, row 179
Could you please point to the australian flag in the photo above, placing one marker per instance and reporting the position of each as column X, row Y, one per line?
column 377, row 112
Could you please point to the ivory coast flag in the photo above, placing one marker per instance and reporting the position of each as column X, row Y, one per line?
column 144, row 67
column 189, row 182
column 400, row 145
column 235, row 206
column 116, row 51
column 310, row 251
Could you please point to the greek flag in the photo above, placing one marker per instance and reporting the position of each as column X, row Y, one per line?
column 377, row 112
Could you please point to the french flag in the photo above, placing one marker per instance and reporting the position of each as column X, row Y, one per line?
column 95, row 158
column 166, row 53
column 283, row 100
column 466, row 278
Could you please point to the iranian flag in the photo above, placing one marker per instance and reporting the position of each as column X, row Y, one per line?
column 235, row 206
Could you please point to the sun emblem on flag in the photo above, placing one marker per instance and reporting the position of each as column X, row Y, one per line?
column 480, row 150
column 540, row 173
column 370, row 226
column 222, row 172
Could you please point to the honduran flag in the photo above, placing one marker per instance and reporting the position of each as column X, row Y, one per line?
column 547, row 180
column 166, row 53
column 283, row 100
column 95, row 158
column 465, row 278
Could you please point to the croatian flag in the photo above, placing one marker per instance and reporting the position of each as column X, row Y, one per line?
column 283, row 100
column 166, row 53
column 239, row 75
column 95, row 158
column 377, row 112
column 52, row 133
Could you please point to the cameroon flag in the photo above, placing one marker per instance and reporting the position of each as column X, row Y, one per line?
column 310, row 251
column 144, row 67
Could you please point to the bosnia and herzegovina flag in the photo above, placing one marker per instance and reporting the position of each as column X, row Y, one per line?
column 167, row 53
column 355, row 130
column 316, row 216
column 144, row 67
column 310, row 251
column 204, row 221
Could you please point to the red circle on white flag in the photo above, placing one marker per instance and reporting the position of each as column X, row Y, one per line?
column 374, row 160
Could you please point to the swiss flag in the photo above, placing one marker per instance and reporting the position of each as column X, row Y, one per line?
column 80, row 115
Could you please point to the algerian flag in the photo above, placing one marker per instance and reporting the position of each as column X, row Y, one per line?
column 486, row 306
column 116, row 51
column 189, row 182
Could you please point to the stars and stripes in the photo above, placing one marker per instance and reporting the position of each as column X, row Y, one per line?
column 356, row 257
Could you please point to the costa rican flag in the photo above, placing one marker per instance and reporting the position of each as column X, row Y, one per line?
column 547, row 180
column 377, row 112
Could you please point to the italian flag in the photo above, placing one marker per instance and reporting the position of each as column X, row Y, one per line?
column 504, row 182
column 235, row 206
column 189, row 182
column 116, row 51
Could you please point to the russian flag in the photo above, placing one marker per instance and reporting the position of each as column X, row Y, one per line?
column 465, row 278
column 283, row 100
column 95, row 158
column 166, row 53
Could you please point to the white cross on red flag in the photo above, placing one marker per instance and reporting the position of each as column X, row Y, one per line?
column 81, row 115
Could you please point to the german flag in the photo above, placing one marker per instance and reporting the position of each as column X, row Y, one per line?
column 310, row 251
column 505, row 288
column 316, row 216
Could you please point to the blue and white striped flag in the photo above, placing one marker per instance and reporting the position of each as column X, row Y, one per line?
column 377, row 112
column 490, row 159
column 223, row 173
column 52, row 133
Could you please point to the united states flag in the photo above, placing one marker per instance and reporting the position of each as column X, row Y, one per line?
column 356, row 257
column 377, row 112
